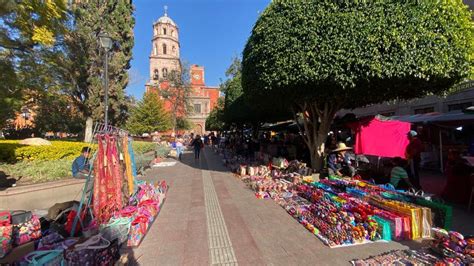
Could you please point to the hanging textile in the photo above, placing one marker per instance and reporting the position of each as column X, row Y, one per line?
column 99, row 180
column 116, row 174
column 123, row 174
column 128, row 165
column 108, row 180
column 134, row 167
column 381, row 138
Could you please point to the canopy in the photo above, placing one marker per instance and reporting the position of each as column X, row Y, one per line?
column 384, row 138
column 452, row 118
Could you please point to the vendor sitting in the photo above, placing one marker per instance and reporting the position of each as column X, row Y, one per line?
column 80, row 166
column 339, row 163
column 398, row 175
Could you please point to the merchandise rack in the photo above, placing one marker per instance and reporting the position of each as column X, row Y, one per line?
column 86, row 198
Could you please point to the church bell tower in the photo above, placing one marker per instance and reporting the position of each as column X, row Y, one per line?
column 164, row 56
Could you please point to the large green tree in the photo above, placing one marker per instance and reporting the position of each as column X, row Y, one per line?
column 82, row 61
column 27, row 30
column 321, row 56
column 215, row 120
column 240, row 110
column 176, row 89
column 149, row 115
column 55, row 112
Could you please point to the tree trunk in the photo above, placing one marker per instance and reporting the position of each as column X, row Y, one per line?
column 88, row 134
column 317, row 121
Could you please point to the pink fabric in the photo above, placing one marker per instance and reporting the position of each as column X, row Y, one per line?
column 382, row 138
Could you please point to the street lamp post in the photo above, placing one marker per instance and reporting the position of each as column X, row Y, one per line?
column 106, row 43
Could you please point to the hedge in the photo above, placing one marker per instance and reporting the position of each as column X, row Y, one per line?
column 140, row 147
column 11, row 151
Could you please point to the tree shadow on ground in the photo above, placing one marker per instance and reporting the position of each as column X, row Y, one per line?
column 6, row 181
column 207, row 154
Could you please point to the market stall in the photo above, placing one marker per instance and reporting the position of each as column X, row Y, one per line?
column 346, row 212
column 115, row 210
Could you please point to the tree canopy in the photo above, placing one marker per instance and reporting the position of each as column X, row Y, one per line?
column 321, row 56
column 28, row 29
column 215, row 120
column 240, row 109
column 83, row 63
column 358, row 52
column 149, row 115
column 175, row 89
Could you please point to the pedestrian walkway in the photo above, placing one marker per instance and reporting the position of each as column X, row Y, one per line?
column 211, row 218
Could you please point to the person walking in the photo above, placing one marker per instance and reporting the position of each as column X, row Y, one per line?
column 179, row 147
column 197, row 145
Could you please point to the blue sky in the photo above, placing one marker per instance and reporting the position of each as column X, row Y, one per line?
column 211, row 32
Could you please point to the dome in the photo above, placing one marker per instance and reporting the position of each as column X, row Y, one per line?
column 166, row 19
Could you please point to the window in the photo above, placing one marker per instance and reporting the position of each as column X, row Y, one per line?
column 424, row 110
column 164, row 48
column 172, row 33
column 164, row 72
column 459, row 106
column 156, row 75
column 164, row 31
column 173, row 49
column 197, row 108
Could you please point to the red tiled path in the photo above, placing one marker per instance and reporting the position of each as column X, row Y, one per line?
column 261, row 232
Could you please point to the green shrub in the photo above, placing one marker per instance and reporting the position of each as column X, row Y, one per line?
column 58, row 150
column 53, row 162
column 11, row 151
column 140, row 147
column 38, row 171
column 162, row 151
column 7, row 150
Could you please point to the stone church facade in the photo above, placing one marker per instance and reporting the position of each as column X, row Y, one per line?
column 165, row 58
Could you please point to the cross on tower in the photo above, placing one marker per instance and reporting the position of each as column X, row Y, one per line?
column 166, row 10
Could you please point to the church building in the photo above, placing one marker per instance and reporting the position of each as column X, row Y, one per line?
column 165, row 58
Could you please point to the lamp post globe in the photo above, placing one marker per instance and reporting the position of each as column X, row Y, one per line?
column 106, row 43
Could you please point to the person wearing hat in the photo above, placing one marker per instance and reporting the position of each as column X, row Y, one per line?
column 339, row 163
column 413, row 155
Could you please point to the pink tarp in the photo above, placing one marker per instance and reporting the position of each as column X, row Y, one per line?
column 381, row 138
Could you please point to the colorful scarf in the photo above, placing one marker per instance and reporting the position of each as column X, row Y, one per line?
column 128, row 165
column 108, row 180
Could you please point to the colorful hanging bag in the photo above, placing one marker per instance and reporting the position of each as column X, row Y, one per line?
column 27, row 231
column 6, row 239
column 6, row 233
column 108, row 256
column 43, row 258
column 117, row 228
column 84, row 254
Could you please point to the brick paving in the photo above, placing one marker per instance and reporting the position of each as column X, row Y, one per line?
column 259, row 231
